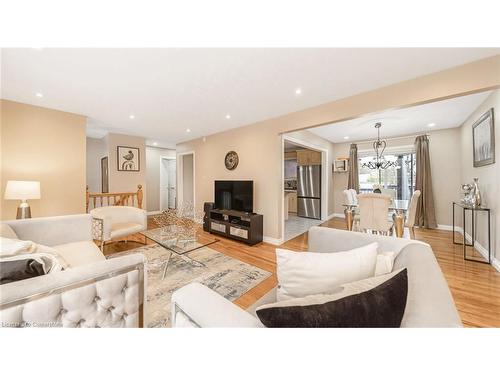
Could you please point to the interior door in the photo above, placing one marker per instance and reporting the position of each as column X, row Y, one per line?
column 172, row 175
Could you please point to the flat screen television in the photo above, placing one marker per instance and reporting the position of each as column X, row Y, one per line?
column 234, row 195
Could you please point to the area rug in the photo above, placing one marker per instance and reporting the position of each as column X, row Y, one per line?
column 227, row 276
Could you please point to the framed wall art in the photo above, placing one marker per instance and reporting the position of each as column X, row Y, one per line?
column 483, row 139
column 128, row 159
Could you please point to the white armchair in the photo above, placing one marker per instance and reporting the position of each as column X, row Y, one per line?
column 118, row 221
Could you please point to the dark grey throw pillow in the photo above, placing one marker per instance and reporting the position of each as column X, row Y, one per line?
column 21, row 269
column 382, row 306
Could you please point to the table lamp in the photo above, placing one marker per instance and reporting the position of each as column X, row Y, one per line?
column 22, row 190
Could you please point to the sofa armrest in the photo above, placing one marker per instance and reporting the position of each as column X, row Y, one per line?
column 110, row 293
column 54, row 230
column 205, row 308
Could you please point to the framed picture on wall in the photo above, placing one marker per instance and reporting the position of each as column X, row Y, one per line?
column 104, row 175
column 483, row 139
column 128, row 159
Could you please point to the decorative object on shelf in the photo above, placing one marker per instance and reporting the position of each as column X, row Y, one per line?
column 379, row 146
column 483, row 139
column 22, row 190
column 477, row 194
column 472, row 194
column 231, row 160
column 341, row 165
column 128, row 159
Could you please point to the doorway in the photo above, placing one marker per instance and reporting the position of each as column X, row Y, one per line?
column 305, row 186
column 168, row 189
column 186, row 180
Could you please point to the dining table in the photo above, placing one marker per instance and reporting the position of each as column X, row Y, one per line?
column 398, row 206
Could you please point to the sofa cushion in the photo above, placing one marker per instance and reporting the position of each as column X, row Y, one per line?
column 124, row 229
column 7, row 232
column 304, row 273
column 80, row 253
column 380, row 306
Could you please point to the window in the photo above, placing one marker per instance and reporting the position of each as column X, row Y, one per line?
column 400, row 179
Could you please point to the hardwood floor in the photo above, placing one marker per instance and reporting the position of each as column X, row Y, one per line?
column 475, row 287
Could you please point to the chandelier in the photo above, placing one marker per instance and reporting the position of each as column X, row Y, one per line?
column 379, row 161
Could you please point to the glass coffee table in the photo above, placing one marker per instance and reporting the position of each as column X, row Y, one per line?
column 179, row 242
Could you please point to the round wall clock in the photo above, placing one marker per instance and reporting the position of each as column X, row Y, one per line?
column 231, row 160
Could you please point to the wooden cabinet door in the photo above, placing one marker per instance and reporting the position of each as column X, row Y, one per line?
column 314, row 158
column 292, row 202
column 302, row 157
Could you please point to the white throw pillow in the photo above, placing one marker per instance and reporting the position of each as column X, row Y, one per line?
column 385, row 262
column 301, row 274
column 10, row 247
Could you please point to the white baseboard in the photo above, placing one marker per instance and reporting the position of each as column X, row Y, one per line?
column 481, row 249
column 445, row 227
column 153, row 213
column 273, row 241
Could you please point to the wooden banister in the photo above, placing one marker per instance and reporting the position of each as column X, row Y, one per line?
column 114, row 199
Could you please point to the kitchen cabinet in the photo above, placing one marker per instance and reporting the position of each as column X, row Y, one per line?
column 292, row 202
column 291, row 155
column 308, row 157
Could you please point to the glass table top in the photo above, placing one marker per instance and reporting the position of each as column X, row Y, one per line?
column 178, row 240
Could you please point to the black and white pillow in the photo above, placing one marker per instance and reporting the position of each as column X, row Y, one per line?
column 375, row 302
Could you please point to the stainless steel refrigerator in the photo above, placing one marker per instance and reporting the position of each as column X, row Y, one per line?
column 309, row 191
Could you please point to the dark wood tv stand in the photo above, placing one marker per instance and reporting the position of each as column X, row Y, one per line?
column 237, row 225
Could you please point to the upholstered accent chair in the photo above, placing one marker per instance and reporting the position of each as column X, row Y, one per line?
column 118, row 221
column 373, row 213
column 412, row 212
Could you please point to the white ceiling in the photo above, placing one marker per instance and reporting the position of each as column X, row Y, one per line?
column 172, row 90
column 412, row 120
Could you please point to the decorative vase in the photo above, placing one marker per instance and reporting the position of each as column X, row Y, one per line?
column 477, row 194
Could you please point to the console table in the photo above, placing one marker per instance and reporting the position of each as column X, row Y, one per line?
column 464, row 243
column 241, row 226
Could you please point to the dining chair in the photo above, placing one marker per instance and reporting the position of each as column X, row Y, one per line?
column 373, row 213
column 350, row 198
column 412, row 213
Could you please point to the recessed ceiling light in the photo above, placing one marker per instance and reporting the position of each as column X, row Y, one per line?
column 298, row 91
column 431, row 125
column 131, row 117
column 228, row 116
column 155, row 143
column 346, row 137
column 188, row 130
column 39, row 95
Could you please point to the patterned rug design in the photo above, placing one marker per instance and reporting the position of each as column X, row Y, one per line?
column 227, row 276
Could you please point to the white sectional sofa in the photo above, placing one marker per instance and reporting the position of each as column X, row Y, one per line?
column 429, row 302
column 91, row 292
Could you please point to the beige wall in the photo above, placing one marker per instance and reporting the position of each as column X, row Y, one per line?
column 126, row 181
column 489, row 175
column 259, row 144
column 96, row 149
column 445, row 169
column 187, row 179
column 48, row 146
column 153, row 156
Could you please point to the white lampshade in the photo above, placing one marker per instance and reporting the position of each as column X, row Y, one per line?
column 22, row 190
